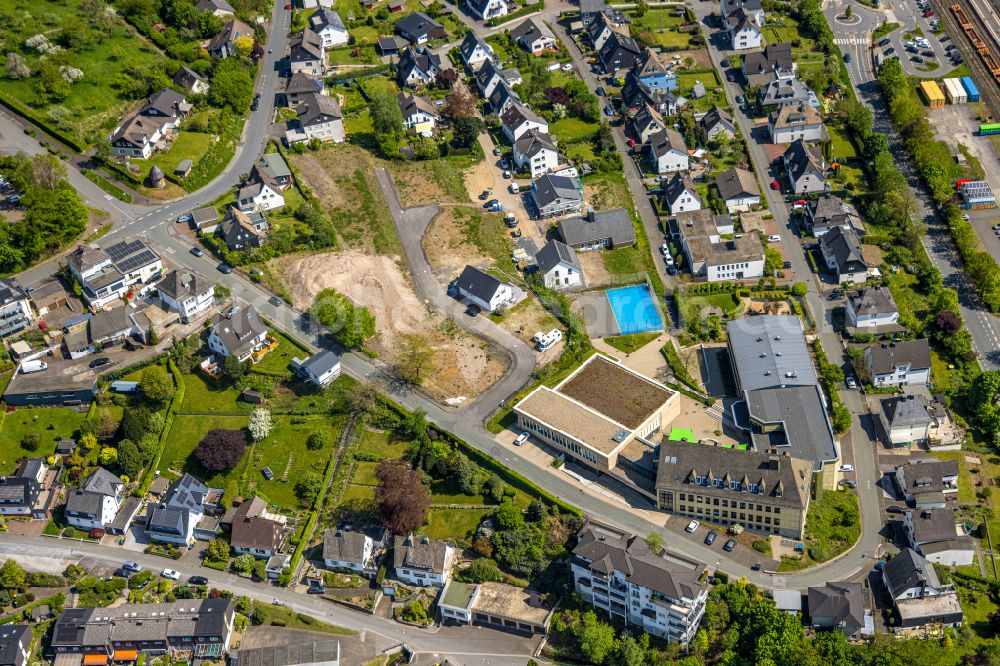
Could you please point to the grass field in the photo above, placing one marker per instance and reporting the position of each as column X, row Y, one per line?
column 289, row 618
column 51, row 423
column 571, row 130
column 825, row 530
column 659, row 27
column 188, row 146
column 726, row 302
column 94, row 103
column 378, row 444
column 364, row 473
column 455, row 524
column 185, row 435
column 355, row 493
column 631, row 343
column 207, row 396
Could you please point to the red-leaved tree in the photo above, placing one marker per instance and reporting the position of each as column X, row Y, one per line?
column 403, row 499
column 221, row 449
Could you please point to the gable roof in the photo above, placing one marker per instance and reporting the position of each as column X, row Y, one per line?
column 618, row 42
column 471, row 43
column 843, row 246
column 872, row 300
column 784, row 90
column 324, row 17
column 410, row 105
column 554, row 253
column 299, row 83
column 344, row 546
column 646, row 116
column 237, row 333
column 479, row 283
column 909, row 569
column 828, row 210
column 108, row 322
column 319, row 109
column 533, row 142
column 423, row 61
column 666, row 141
column 215, row 5
column 802, row 158
column 530, row 30
column 321, row 363
column 179, row 284
column 549, row 188
column 736, row 183
column 843, row 602
column 717, row 115
column 518, row 114
column 502, row 93
column 419, row 552
column 649, row 64
column 614, row 224
column 933, row 525
column 186, row 77
column 741, row 20
column 773, row 57
column 306, row 45
column 887, row 357
column 103, row 482
column 677, row 186
column 274, row 165
column 794, row 115
column 252, row 530
column 15, row 639
column 418, row 24
column 230, row 31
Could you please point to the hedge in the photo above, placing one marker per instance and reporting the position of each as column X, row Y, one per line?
column 27, row 114
column 314, row 514
column 175, row 403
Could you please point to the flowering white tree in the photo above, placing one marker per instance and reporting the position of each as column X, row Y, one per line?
column 70, row 74
column 260, row 424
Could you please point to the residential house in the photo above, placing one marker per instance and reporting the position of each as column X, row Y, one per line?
column 559, row 266
column 178, row 517
column 418, row 28
column 48, row 296
column 785, row 91
column 652, row 73
column 244, row 230
column 15, row 307
column 718, row 123
column 518, row 119
column 600, row 29
column 917, row 593
column 274, row 166
column 186, row 292
column 489, row 76
column 590, row 10
column 190, row 81
column 319, row 118
column 485, row 291
column 219, row 8
column 222, row 45
column 534, row 36
column 15, row 644
column 417, row 67
column 693, row 479
column 774, row 62
column 646, row 122
column 419, row 113
column 503, row 97
column 680, row 194
column 307, row 53
column 20, row 492
column 661, row 593
column 320, row 369
column 903, row 420
column 831, row 211
column 475, row 51
column 598, row 231
column 94, row 504
column 350, row 549
column 421, row 561
column 619, row 52
column 739, row 189
column 556, row 195
column 298, row 88
column 744, row 30
column 390, row 46
column 256, row 531
column 714, row 258
column 800, row 121
column 239, row 336
column 935, row 534
column 841, row 252
column 330, row 27
column 899, row 363
column 927, row 482
column 196, row 628
column 536, row 150
column 260, row 193
column 872, row 310
column 667, row 151
column 841, row 607
column 634, row 95
column 104, row 328
column 753, row 7
column 142, row 133
column 490, row 9
column 107, row 274
column 805, row 168
column 498, row 605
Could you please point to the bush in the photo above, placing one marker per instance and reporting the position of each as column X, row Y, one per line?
column 221, row 449
column 762, row 546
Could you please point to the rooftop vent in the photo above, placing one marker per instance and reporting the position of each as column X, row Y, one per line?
column 620, row 436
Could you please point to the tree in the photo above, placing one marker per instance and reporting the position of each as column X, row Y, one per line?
column 109, row 456
column 12, row 576
column 30, row 441
column 88, row 441
column 465, row 131
column 597, row 640
column 483, row 570
column 948, row 323
column 446, row 78
column 387, row 118
column 260, row 424
column 243, row 46
column 460, row 103
column 221, row 449
column 307, row 488
column 135, row 423
column 156, row 385
column 318, row 440
column 655, row 541
column 403, row 499
column 508, row 516
column 129, row 460
column 217, row 550
column 416, row 358
column 221, row 292
column 232, row 367
column 17, row 66
column 772, row 260
column 352, row 325
column 243, row 563
column 799, row 289
column 604, row 140
column 231, row 85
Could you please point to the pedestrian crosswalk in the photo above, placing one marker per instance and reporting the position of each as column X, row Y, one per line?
column 849, row 40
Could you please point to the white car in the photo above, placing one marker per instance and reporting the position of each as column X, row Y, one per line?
column 846, row 468
column 170, row 573
column 965, row 216
column 774, row 239
column 567, row 67
column 692, row 526
column 522, row 438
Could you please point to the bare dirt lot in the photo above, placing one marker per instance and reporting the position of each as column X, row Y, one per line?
column 592, row 266
column 465, row 365
column 448, row 248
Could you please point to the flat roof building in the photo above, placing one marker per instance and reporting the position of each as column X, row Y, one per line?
column 495, row 604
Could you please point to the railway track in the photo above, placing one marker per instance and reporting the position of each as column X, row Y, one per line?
column 972, row 37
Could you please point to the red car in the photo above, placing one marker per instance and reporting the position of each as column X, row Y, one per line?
column 928, row 14
column 775, row 185
column 288, row 5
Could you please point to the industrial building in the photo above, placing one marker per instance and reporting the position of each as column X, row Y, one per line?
column 976, row 194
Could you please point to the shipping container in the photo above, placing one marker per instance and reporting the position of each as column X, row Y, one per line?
column 970, row 89
column 954, row 91
column 931, row 92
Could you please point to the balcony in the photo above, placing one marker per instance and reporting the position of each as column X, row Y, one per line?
column 262, row 350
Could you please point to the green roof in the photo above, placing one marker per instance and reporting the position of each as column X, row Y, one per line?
column 458, row 595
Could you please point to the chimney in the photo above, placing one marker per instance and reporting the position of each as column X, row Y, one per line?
column 772, row 462
column 591, row 215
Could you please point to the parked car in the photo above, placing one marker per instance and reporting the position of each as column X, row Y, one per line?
column 740, row 99
column 225, row 268
column 889, row 51
column 729, row 545
column 846, row 468
column 98, row 362
column 774, row 238
column 567, row 67
column 601, row 92
column 515, row 188
column 928, row 54
column 851, row 383
column 496, row 151
column 609, row 111
column 917, row 59
column 506, row 173
column 884, row 42
column 847, row 57
column 711, row 537
column 473, row 310
column 929, row 13
column 122, row 572
column 228, row 314
column 197, row 251
column 316, row 589
column 485, row 195
column 134, row 567
column 170, row 574
column 848, row 483
column 692, row 526
column 522, row 438
column 724, row 62
column 892, row 508
column 197, row 580
column 965, row 216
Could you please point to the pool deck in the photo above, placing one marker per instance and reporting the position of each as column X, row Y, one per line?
column 597, row 315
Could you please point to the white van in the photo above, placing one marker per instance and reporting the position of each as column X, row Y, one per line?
column 514, row 188
column 29, row 367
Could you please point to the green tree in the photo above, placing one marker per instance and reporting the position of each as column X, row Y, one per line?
column 243, row 563
column 387, row 118
column 352, row 325
column 156, row 385
column 232, row 367
column 596, row 639
column 231, row 86
column 484, row 570
column 655, row 541
column 31, row 441
column 12, row 576
column 318, row 440
column 772, row 261
column 129, row 460
column 217, row 550
column 109, row 456
column 799, row 289
column 307, row 488
column 508, row 516
column 416, row 358
column 465, row 131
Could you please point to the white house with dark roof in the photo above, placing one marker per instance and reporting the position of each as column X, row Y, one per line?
column 489, row 9
column 927, row 483
column 753, row 7
column 260, row 192
column 503, row 97
column 797, row 121
column 646, row 122
column 901, row 363
column 186, row 291
column 486, row 291
column 421, row 561
column 418, row 28
column 717, row 122
column 15, row 644
column 350, row 549
column 841, row 607
column 298, row 88
column 903, row 420
column 94, row 504
column 619, row 52
column 712, row 257
column 256, row 531
column 518, row 119
column 475, row 51
column 841, row 252
column 935, row 534
column 784, row 91
column 739, row 189
column 319, row 118
column 919, row 596
column 600, row 29
column 534, row 36
column 773, row 62
column 419, row 113
column 559, row 266
column 107, row 274
column 417, row 67
column 238, row 336
column 176, row 518
column 15, row 307
column 598, row 230
column 556, row 195
column 744, row 30
column 221, row 46
column 829, row 211
column 681, row 195
column 805, row 168
column 320, row 369
column 219, row 8
column 307, row 53
column 243, row 230
column 667, row 151
column 275, row 166
column 329, row 26
column 661, row 593
column 536, row 150
column 191, row 81
column 872, row 309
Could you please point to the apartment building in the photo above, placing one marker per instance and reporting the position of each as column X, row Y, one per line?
column 661, row 593
column 15, row 308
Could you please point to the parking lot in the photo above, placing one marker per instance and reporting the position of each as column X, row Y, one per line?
column 740, row 553
column 923, row 54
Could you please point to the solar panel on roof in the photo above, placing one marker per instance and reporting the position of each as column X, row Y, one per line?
column 142, row 259
column 119, row 251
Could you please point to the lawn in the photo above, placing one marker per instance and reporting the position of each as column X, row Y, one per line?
column 354, row 493
column 289, row 618
column 188, row 146
column 570, row 130
column 95, row 103
column 842, row 148
column 913, row 306
column 345, row 56
column 728, row 303
column 185, row 435
column 966, row 487
column 364, row 473
column 277, row 360
column 631, row 343
column 203, row 395
column 826, row 534
column 660, row 27
column 379, row 444
column 51, row 423
column 458, row 525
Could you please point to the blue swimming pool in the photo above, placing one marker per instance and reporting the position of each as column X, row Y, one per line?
column 634, row 310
